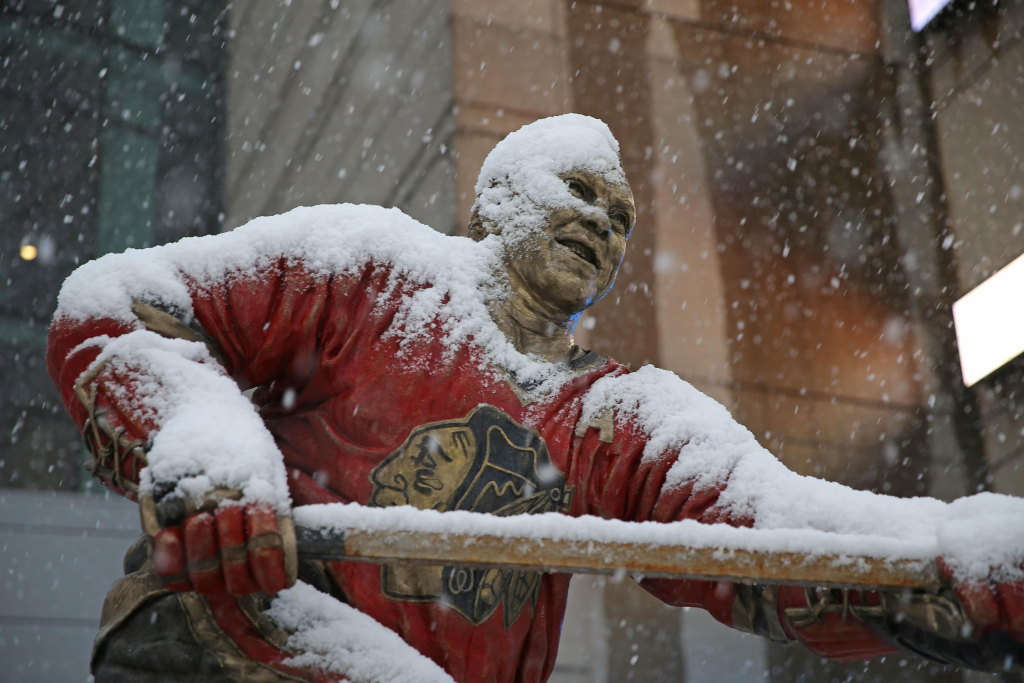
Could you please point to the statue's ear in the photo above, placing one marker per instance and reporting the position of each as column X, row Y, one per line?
column 476, row 227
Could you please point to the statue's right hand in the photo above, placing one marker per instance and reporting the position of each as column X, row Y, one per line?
column 223, row 548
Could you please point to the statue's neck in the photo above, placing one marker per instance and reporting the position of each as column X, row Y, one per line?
column 532, row 328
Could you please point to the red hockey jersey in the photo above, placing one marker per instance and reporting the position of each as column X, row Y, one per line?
column 364, row 414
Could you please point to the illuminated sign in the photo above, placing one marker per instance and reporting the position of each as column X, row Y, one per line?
column 989, row 323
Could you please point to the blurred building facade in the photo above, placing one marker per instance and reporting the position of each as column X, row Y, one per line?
column 111, row 136
column 112, row 133
column 816, row 185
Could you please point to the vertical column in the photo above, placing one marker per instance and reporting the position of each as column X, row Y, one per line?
column 691, row 307
column 610, row 81
column 129, row 144
column 509, row 69
column 127, row 211
column 608, row 60
column 911, row 153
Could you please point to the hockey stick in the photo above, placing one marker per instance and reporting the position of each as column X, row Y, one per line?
column 379, row 535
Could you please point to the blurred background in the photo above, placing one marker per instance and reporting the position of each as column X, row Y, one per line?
column 816, row 185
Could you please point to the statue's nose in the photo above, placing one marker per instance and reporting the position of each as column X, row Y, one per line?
column 601, row 228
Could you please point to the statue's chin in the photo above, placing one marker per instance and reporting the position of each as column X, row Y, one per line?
column 575, row 305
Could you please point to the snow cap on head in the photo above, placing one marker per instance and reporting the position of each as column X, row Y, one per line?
column 519, row 185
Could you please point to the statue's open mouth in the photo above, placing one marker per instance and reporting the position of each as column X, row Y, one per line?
column 584, row 251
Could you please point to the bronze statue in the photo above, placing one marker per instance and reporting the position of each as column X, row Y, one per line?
column 365, row 410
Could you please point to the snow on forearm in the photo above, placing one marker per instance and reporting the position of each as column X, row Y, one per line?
column 332, row 636
column 208, row 434
column 983, row 534
column 707, row 447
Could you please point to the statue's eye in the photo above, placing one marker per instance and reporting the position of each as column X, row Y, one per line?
column 577, row 188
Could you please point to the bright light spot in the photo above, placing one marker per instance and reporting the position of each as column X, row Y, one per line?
column 988, row 330
column 288, row 400
column 28, row 252
column 664, row 262
column 923, row 11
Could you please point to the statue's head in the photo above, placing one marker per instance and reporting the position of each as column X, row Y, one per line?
column 554, row 196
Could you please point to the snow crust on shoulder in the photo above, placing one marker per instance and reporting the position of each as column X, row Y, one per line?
column 519, row 181
column 460, row 275
column 710, row 448
column 334, row 637
column 327, row 240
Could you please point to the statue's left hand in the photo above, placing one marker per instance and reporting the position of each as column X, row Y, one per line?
column 222, row 548
column 993, row 604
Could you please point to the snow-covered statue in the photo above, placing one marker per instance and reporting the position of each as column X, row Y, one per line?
column 393, row 365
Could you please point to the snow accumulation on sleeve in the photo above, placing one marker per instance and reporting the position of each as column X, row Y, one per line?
column 334, row 637
column 208, row 435
column 709, row 448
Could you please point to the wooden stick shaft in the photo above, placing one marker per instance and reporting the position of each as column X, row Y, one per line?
column 593, row 557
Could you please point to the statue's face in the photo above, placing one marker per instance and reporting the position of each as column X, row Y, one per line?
column 572, row 262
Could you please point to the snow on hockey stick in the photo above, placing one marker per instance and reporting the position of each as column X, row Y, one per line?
column 556, row 543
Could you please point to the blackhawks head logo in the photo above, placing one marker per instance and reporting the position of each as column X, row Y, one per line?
column 485, row 462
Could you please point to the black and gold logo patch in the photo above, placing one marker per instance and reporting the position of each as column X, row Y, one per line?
column 485, row 462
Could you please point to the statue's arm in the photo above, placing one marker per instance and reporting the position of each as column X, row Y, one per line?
column 679, row 458
column 157, row 383
column 257, row 328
